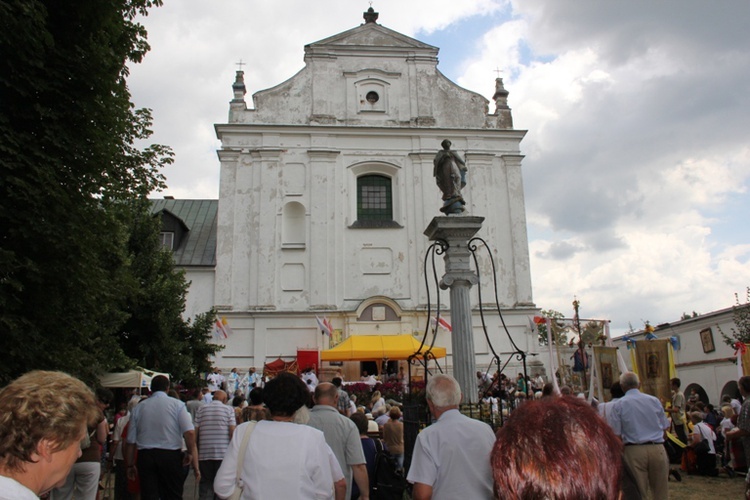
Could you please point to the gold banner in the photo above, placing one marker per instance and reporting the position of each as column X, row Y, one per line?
column 607, row 370
column 337, row 336
column 652, row 357
column 746, row 362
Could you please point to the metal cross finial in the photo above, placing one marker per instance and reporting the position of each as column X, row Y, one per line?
column 370, row 3
column 498, row 71
column 240, row 64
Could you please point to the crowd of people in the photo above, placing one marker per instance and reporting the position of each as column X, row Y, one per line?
column 283, row 441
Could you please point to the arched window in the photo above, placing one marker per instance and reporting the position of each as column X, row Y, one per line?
column 374, row 198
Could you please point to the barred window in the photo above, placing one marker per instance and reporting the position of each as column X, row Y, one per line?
column 374, row 198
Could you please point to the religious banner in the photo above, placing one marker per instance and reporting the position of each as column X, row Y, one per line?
column 607, row 370
column 652, row 357
column 337, row 336
column 745, row 360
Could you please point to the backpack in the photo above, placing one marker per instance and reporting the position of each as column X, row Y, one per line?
column 390, row 482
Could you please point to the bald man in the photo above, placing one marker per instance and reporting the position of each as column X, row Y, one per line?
column 342, row 436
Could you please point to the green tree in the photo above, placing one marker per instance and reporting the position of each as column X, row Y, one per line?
column 155, row 334
column 67, row 156
column 592, row 331
column 741, row 316
column 559, row 328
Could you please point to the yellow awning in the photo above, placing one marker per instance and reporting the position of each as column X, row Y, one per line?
column 376, row 347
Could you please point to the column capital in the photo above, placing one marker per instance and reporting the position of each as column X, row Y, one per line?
column 467, row 279
column 453, row 228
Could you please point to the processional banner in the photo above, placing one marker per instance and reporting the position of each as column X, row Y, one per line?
column 745, row 359
column 607, row 370
column 652, row 358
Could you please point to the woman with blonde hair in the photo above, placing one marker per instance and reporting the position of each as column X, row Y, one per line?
column 43, row 418
column 377, row 401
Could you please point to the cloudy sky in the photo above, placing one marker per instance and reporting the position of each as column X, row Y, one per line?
column 638, row 116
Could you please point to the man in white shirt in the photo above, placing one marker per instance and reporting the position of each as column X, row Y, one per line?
column 452, row 456
column 215, row 380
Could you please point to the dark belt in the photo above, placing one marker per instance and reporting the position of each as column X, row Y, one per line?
column 642, row 444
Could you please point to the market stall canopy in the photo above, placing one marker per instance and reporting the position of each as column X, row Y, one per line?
column 374, row 347
column 131, row 378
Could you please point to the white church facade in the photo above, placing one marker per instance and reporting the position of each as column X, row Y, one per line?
column 326, row 189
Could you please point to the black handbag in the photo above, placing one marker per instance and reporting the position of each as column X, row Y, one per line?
column 702, row 447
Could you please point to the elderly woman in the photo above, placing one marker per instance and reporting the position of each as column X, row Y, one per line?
column 43, row 418
column 282, row 459
column 556, row 448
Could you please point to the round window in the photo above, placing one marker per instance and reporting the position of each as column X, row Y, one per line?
column 372, row 97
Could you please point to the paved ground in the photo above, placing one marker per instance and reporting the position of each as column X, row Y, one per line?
column 691, row 488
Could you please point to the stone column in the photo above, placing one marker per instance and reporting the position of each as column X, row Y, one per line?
column 456, row 231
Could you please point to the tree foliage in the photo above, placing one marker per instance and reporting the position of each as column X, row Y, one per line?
column 741, row 316
column 69, row 170
column 559, row 328
column 155, row 334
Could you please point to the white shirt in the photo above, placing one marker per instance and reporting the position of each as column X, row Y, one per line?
column 10, row 489
column 704, row 431
column 453, row 456
column 380, row 403
column 310, row 380
column 283, row 460
column 726, row 425
column 117, row 435
column 215, row 380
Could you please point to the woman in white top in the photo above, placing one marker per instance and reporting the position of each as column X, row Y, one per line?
column 377, row 401
column 283, row 459
column 706, row 460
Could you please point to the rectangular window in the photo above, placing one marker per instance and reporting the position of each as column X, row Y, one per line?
column 374, row 199
column 167, row 240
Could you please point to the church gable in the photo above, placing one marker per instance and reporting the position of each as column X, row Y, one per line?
column 370, row 35
column 370, row 76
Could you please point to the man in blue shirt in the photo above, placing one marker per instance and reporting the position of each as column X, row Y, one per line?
column 157, row 426
column 640, row 421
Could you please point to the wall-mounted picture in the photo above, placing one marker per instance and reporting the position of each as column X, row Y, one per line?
column 707, row 339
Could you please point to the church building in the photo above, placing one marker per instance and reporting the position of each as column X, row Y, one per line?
column 326, row 190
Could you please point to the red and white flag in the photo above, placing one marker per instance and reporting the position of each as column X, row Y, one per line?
column 324, row 325
column 220, row 330
column 442, row 323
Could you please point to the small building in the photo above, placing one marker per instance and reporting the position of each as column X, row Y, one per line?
column 705, row 364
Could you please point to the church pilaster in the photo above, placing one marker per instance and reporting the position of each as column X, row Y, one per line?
column 518, row 233
column 324, row 202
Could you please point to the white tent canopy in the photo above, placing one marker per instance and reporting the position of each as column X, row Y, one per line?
column 139, row 377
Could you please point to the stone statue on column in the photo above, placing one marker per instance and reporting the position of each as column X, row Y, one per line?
column 450, row 174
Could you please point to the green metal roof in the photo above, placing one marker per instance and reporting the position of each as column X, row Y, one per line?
column 198, row 245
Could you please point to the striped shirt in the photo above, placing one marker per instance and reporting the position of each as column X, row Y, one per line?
column 213, row 422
